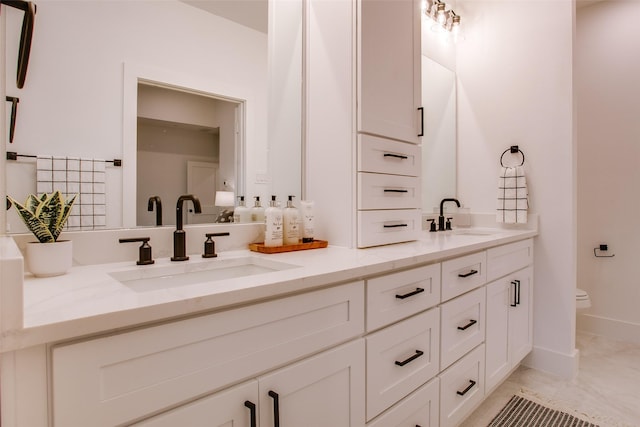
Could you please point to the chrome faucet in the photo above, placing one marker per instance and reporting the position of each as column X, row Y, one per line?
column 179, row 236
column 441, row 225
column 158, row 202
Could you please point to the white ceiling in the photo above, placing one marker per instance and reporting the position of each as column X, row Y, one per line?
column 250, row 13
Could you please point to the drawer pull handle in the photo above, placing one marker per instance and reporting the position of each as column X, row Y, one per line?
column 391, row 190
column 252, row 412
column 276, row 408
column 397, row 156
column 518, row 292
column 421, row 109
column 410, row 294
column 471, row 273
column 469, row 387
column 468, row 325
column 411, row 359
column 395, row 225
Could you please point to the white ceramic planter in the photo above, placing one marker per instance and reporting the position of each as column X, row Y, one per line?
column 49, row 259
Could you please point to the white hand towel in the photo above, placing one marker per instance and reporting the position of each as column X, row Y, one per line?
column 513, row 200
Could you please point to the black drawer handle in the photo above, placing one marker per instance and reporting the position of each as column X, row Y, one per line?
column 515, row 294
column 390, row 190
column 471, row 273
column 395, row 225
column 252, row 412
column 518, row 292
column 411, row 359
column 410, row 294
column 397, row 156
column 421, row 109
column 276, row 408
column 468, row 325
column 469, row 387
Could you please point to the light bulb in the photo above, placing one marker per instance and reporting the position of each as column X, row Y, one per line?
column 442, row 16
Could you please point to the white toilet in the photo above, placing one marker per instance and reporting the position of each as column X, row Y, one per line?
column 582, row 299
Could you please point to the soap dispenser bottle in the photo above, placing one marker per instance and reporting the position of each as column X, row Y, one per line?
column 257, row 211
column 273, row 235
column 291, row 218
column 241, row 214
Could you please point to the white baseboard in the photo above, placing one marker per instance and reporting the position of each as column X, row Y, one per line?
column 560, row 364
column 610, row 328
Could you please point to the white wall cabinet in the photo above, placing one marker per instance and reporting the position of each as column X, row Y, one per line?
column 509, row 324
column 389, row 60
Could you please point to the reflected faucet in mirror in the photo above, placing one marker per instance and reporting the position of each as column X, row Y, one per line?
column 158, row 203
column 179, row 236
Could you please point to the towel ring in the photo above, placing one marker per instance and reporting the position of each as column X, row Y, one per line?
column 513, row 149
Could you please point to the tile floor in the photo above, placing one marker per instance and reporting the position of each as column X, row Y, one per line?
column 607, row 386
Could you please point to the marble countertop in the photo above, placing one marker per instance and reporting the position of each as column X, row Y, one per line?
column 89, row 300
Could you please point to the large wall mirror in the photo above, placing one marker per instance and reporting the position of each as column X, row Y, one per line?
column 114, row 80
column 439, row 99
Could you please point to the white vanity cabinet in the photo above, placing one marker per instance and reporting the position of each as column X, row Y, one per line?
column 509, row 324
column 124, row 377
column 509, row 309
column 389, row 60
column 389, row 121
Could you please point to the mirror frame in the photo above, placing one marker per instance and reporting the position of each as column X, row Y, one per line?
column 192, row 83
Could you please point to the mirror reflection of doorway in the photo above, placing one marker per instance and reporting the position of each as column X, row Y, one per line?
column 185, row 145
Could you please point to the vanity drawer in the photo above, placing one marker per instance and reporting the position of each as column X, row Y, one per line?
column 382, row 227
column 463, row 274
column 462, row 325
column 400, row 359
column 506, row 259
column 420, row 408
column 399, row 295
column 462, row 388
column 382, row 155
column 115, row 379
column 383, row 191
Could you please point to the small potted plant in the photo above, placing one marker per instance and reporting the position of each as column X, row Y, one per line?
column 46, row 216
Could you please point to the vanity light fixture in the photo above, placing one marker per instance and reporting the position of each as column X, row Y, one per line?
column 444, row 19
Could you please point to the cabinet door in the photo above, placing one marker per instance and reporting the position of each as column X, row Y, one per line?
column 390, row 68
column 232, row 407
column 324, row 390
column 509, row 335
column 521, row 317
column 497, row 335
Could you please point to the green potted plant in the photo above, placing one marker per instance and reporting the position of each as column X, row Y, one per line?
column 46, row 216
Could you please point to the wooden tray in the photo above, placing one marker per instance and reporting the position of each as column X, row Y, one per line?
column 260, row 247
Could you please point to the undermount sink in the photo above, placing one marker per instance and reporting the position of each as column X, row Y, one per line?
column 152, row 278
column 474, row 232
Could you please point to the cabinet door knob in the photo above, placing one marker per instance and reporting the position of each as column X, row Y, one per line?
column 276, row 408
column 252, row 412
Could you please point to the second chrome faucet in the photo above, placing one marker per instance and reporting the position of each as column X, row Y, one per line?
column 179, row 236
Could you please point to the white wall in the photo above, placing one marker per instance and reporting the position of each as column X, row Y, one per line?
column 515, row 87
column 608, row 66
column 71, row 104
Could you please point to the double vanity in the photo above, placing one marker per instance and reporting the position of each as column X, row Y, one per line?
column 416, row 333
